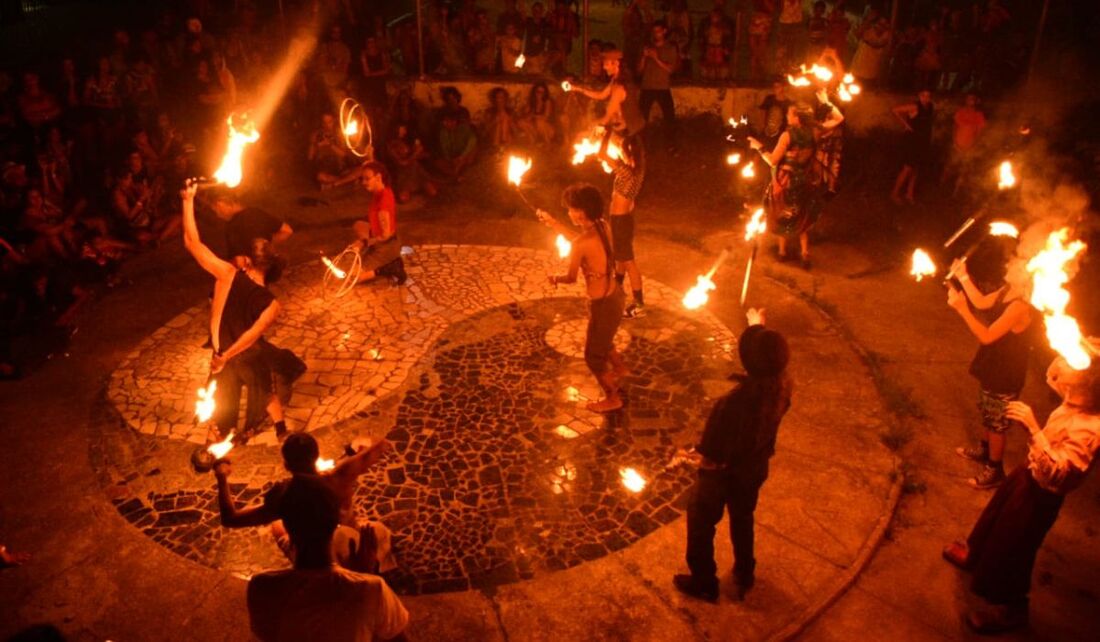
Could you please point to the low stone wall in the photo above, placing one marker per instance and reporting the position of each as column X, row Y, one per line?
column 871, row 110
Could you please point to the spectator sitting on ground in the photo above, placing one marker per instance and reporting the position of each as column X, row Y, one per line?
column 540, row 121
column 457, row 146
column 54, row 233
column 406, row 154
column 500, row 121
column 333, row 165
column 36, row 105
column 317, row 599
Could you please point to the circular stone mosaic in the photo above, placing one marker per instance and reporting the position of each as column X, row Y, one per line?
column 472, row 370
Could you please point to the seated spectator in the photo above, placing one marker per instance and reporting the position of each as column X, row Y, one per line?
column 53, row 233
column 536, row 40
column 332, row 61
column 102, row 96
column 333, row 165
column 874, row 37
column 167, row 140
column 208, row 102
column 452, row 103
column 141, row 92
column 226, row 80
column 144, row 148
column 500, row 121
column 133, row 209
column 406, row 153
column 540, row 121
column 69, row 84
column 510, row 47
column 318, row 600
column 37, row 107
column 457, row 146
column 406, row 111
column 55, row 162
column 482, row 44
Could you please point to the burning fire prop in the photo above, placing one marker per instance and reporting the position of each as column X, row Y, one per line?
column 632, row 480
column 1003, row 228
column 748, row 171
column 241, row 134
column 342, row 273
column 336, row 272
column 563, row 245
column 324, row 465
column 922, row 265
column 1005, row 178
column 517, row 167
column 219, row 449
column 756, row 226
column 1049, row 275
column 699, row 294
column 566, row 86
column 521, row 60
column 846, row 88
column 590, row 146
column 355, row 126
column 204, row 407
column 733, row 159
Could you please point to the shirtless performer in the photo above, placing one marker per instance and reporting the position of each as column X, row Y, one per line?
column 628, row 175
column 241, row 311
column 623, row 113
column 593, row 256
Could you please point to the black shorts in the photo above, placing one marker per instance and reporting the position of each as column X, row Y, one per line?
column 622, row 236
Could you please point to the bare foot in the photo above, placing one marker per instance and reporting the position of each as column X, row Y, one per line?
column 607, row 404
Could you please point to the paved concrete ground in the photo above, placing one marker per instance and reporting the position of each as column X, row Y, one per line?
column 96, row 576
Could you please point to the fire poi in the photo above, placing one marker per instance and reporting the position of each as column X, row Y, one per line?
column 205, row 406
column 1049, row 275
column 632, row 480
column 1005, row 177
column 355, row 127
column 922, row 265
column 341, row 273
column 242, row 132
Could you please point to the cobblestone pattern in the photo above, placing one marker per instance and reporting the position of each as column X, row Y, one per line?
column 498, row 471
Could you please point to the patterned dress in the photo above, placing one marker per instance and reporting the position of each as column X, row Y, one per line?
column 792, row 199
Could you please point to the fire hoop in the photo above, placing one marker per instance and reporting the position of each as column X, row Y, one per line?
column 355, row 126
column 348, row 263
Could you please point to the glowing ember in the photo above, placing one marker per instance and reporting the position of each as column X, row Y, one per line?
column 733, row 159
column 632, row 480
column 1006, row 178
column 748, row 171
column 229, row 173
column 336, row 272
column 922, row 265
column 352, row 128
column 1002, row 228
column 324, row 465
column 573, row 394
column 204, row 407
column 517, row 167
column 565, row 432
column 757, row 225
column 824, row 74
column 566, row 86
column 847, row 79
column 842, row 93
column 1048, row 270
column 564, row 246
column 737, row 123
column 801, row 81
column 698, row 295
column 854, row 89
column 221, row 448
column 520, row 61
column 590, row 146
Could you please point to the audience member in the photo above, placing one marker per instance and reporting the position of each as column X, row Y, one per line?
column 540, row 120
column 499, row 120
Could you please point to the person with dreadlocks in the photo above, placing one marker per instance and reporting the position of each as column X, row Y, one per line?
column 592, row 255
column 793, row 196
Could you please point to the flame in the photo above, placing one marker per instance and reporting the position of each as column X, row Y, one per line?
column 632, row 480
column 737, row 123
column 733, row 159
column 757, row 225
column 1006, row 179
column 564, row 246
column 229, row 173
column 922, row 265
column 517, row 167
column 324, row 465
column 698, row 295
column 520, row 61
column 843, row 94
column 801, row 81
column 337, row 272
column 204, row 407
column 824, row 74
column 589, row 146
column 854, row 89
column 573, row 394
column 220, row 449
column 848, row 79
column 1003, row 228
column 748, row 171
column 1048, row 270
column 566, row 86
column 565, row 432
column 352, row 128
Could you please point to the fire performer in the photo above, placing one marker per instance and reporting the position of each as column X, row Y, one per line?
column 592, row 255
column 243, row 225
column 242, row 309
column 628, row 175
column 300, row 453
column 737, row 443
column 623, row 113
column 1004, row 323
column 1001, row 548
column 378, row 232
column 793, row 196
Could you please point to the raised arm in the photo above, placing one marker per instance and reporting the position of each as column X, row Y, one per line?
column 903, row 113
column 976, row 297
column 1013, row 316
column 602, row 94
column 231, row 516
column 361, row 461
column 205, row 256
column 282, row 234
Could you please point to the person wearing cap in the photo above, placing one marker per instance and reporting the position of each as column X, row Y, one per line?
column 318, row 599
column 623, row 113
column 1000, row 551
column 737, row 442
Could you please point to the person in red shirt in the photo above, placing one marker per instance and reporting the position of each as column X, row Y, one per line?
column 969, row 124
column 378, row 232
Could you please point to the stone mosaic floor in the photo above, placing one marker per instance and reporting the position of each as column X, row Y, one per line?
column 473, row 370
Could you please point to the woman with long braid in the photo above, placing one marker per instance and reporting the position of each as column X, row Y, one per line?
column 592, row 256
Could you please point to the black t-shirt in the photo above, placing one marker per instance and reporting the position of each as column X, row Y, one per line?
column 249, row 224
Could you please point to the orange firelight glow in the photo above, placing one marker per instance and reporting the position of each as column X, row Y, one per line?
column 241, row 134
column 221, row 448
column 922, row 265
column 517, row 167
column 757, row 225
column 1049, row 275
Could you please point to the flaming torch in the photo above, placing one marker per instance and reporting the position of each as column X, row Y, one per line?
column 520, row 61
column 922, row 265
column 218, row 450
column 229, row 173
column 352, row 128
column 204, row 407
column 566, row 86
column 698, row 295
column 748, row 171
column 733, row 159
column 517, row 167
column 336, row 272
column 1003, row 228
column 801, row 81
column 756, row 226
column 1006, row 179
column 564, row 246
column 324, row 465
column 1048, row 270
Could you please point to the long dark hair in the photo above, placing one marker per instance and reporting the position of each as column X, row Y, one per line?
column 587, row 198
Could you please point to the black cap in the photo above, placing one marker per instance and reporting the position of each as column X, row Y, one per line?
column 764, row 353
